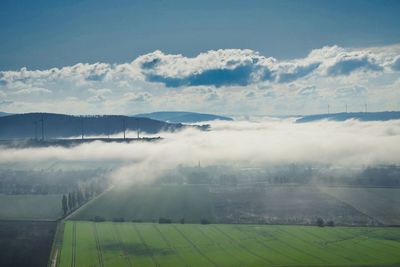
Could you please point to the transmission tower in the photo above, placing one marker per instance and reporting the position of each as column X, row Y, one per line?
column 42, row 120
column 124, row 126
column 82, row 127
column 138, row 128
column 36, row 137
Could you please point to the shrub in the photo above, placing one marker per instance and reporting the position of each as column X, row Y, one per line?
column 320, row 222
column 330, row 223
column 205, row 221
column 164, row 220
column 99, row 219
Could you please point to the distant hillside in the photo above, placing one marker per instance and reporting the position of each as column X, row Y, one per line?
column 182, row 116
column 59, row 125
column 362, row 116
column 4, row 114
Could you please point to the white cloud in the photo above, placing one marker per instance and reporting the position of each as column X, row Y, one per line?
column 245, row 143
column 223, row 78
column 32, row 90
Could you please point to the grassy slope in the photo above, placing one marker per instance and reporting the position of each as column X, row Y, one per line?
column 380, row 203
column 30, row 207
column 129, row 244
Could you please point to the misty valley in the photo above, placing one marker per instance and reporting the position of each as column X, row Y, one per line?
column 212, row 133
column 132, row 200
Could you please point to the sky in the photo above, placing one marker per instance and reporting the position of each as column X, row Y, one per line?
column 224, row 57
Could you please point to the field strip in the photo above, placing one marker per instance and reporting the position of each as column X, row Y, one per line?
column 262, row 243
column 241, row 246
column 169, row 244
column 98, row 247
column 353, row 238
column 359, row 242
column 122, row 246
column 353, row 205
column 377, row 240
column 335, row 243
column 54, row 259
column 194, row 246
column 387, row 245
column 313, row 244
column 145, row 244
column 73, row 261
column 55, row 253
column 219, row 245
column 297, row 249
column 326, row 242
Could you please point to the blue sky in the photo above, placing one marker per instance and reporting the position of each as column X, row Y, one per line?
column 43, row 34
column 227, row 57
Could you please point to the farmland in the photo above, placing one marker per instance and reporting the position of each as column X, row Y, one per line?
column 283, row 204
column 147, row 244
column 380, row 203
column 25, row 243
column 30, row 207
column 149, row 203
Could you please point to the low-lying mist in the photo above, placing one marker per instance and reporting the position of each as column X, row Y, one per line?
column 237, row 143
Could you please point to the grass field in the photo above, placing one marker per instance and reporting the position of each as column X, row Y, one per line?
column 174, row 245
column 224, row 204
column 380, row 203
column 149, row 203
column 30, row 207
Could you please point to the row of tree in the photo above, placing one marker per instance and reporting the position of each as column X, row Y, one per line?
column 75, row 199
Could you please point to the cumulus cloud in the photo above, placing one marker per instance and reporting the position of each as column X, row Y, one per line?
column 162, row 80
column 243, row 67
column 238, row 143
column 354, row 91
column 222, row 67
column 396, row 64
column 139, row 97
column 32, row 90
column 308, row 91
column 5, row 102
column 345, row 66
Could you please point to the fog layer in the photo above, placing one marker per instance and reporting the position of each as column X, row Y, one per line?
column 239, row 143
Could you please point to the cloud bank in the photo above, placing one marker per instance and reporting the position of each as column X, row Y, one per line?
column 238, row 143
column 222, row 78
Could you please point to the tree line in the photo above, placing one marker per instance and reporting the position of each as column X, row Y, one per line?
column 81, row 195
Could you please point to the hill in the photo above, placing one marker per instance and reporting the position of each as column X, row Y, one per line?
column 182, row 116
column 2, row 114
column 30, row 125
column 362, row 116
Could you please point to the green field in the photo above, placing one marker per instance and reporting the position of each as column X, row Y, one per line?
column 382, row 204
column 149, row 203
column 30, row 207
column 253, row 204
column 174, row 245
